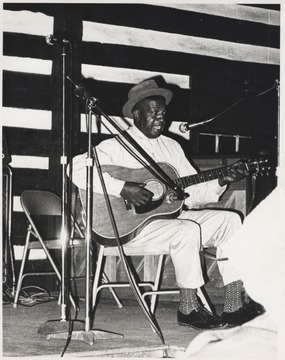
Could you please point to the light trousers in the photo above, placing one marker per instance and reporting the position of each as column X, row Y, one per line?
column 184, row 237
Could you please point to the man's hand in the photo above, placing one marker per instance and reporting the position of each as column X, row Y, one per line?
column 236, row 173
column 136, row 193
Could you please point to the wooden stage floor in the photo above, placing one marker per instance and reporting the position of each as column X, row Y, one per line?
column 21, row 338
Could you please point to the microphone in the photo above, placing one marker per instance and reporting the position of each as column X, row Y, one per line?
column 80, row 89
column 186, row 127
column 51, row 40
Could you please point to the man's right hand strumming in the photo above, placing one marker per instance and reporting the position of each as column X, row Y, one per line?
column 136, row 193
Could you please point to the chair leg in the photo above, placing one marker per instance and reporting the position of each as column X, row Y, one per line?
column 23, row 262
column 97, row 275
column 155, row 292
column 56, row 271
column 50, row 259
column 112, row 291
column 96, row 287
column 156, row 282
column 203, row 299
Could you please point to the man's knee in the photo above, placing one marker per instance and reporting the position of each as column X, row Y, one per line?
column 188, row 234
column 233, row 219
column 189, row 227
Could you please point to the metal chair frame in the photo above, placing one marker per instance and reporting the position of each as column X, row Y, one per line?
column 100, row 283
column 42, row 202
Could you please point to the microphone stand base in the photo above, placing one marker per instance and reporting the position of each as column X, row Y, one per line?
column 56, row 329
column 59, row 326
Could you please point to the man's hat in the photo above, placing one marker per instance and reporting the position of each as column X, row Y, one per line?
column 141, row 91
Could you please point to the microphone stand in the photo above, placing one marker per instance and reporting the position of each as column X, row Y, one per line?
column 280, row 158
column 87, row 335
column 65, row 233
column 90, row 335
column 60, row 328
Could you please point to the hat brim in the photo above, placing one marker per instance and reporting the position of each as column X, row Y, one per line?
column 128, row 107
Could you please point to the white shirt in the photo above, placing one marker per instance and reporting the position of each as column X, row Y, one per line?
column 161, row 149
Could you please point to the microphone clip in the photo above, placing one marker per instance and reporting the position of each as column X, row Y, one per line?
column 93, row 102
column 51, row 40
column 80, row 89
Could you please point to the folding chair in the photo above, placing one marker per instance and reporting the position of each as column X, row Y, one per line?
column 37, row 205
column 155, row 290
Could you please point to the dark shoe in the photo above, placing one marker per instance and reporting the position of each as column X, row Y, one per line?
column 254, row 308
column 235, row 318
column 201, row 319
column 242, row 315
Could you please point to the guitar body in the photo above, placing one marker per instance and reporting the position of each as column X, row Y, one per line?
column 129, row 219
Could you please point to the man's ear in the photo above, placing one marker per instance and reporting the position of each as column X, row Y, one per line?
column 136, row 114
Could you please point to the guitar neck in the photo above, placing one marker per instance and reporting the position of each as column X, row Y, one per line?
column 203, row 176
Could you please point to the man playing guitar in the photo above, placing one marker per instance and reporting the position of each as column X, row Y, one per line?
column 188, row 229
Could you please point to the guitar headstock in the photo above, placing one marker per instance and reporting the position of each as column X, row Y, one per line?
column 259, row 166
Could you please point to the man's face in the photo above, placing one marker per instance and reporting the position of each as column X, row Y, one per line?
column 149, row 117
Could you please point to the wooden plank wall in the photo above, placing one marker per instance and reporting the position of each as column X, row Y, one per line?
column 210, row 56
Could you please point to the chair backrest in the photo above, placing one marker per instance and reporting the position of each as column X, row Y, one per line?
column 43, row 210
column 41, row 202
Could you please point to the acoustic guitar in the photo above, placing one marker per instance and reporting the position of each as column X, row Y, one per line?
column 131, row 219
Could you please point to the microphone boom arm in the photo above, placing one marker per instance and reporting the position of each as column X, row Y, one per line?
column 186, row 127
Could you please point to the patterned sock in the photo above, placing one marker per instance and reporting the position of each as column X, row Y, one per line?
column 188, row 301
column 233, row 300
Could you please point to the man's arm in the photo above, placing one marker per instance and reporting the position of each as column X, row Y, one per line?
column 236, row 173
column 211, row 191
column 79, row 170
